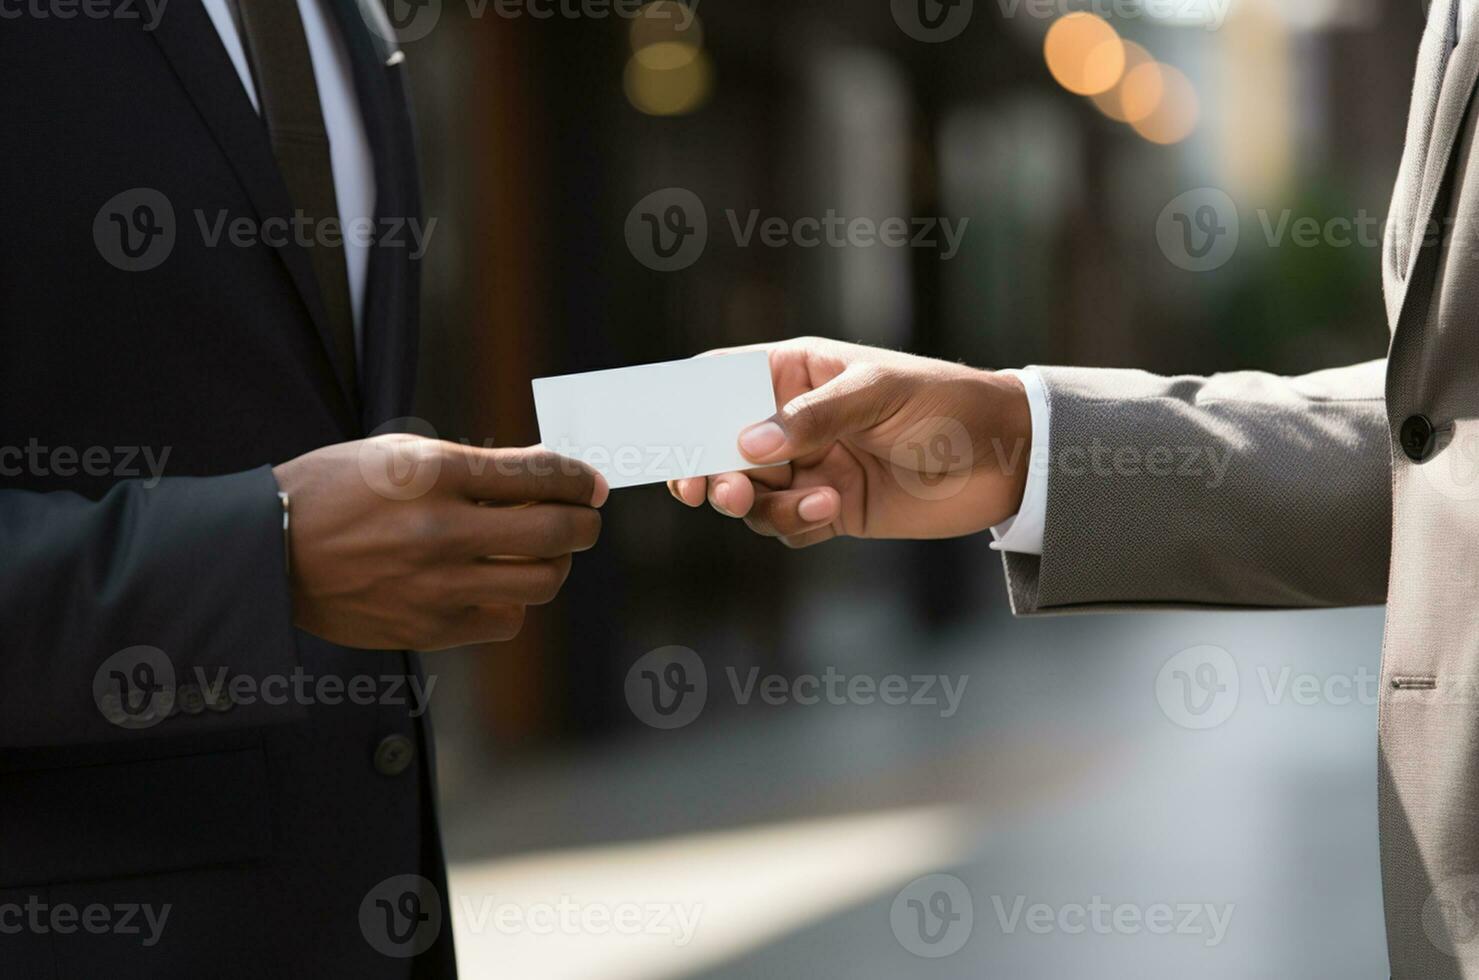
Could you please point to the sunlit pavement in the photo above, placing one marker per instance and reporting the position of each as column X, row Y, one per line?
column 1091, row 833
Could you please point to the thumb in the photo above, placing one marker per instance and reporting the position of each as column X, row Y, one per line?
column 814, row 420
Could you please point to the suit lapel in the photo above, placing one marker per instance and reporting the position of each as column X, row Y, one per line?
column 190, row 43
column 1453, row 105
column 1404, row 234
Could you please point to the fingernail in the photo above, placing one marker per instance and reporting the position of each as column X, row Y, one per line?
column 759, row 441
column 603, row 490
column 721, row 496
column 814, row 508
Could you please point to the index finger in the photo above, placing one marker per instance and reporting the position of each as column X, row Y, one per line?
column 524, row 475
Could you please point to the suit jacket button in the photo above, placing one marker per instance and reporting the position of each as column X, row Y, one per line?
column 393, row 755
column 1416, row 438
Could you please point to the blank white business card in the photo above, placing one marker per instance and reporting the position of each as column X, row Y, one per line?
column 657, row 422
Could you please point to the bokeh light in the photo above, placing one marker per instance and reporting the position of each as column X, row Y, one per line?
column 666, row 34
column 1130, row 99
column 1174, row 114
column 1141, row 90
column 669, row 91
column 1084, row 54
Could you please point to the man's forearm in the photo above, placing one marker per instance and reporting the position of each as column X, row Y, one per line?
column 146, row 593
column 1241, row 489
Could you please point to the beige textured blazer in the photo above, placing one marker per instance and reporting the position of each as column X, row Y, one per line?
column 1345, row 487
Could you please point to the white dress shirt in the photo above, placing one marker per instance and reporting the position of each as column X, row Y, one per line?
column 1023, row 533
column 349, row 148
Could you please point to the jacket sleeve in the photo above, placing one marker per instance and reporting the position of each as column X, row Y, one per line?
column 153, row 611
column 1240, row 489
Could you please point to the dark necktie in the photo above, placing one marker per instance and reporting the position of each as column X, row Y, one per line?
column 288, row 95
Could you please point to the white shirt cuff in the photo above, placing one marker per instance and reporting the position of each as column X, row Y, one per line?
column 1023, row 533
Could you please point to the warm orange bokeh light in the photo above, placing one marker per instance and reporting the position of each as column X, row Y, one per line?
column 1175, row 112
column 1130, row 101
column 1084, row 53
column 1141, row 91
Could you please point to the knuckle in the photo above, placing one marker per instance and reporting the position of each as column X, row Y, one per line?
column 423, row 452
column 803, row 414
column 560, row 477
column 756, row 522
column 579, row 481
column 415, row 633
column 867, row 374
column 505, row 621
column 571, row 530
column 548, row 532
column 549, row 580
column 590, row 528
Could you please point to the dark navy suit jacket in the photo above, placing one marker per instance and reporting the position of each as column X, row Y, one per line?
column 286, row 836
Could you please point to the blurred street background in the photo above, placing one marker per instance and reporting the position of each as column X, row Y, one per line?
column 1179, row 185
